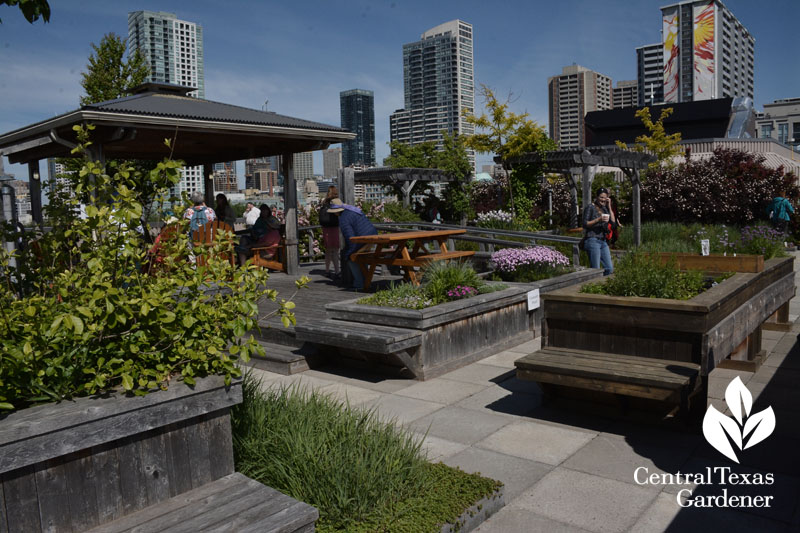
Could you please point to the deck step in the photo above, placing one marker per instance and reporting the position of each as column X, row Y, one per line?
column 286, row 360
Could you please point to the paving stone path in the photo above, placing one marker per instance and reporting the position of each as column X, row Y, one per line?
column 570, row 471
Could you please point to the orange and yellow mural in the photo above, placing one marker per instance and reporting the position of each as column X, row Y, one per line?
column 704, row 51
column 671, row 60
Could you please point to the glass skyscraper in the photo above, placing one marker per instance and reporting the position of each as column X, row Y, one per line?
column 358, row 116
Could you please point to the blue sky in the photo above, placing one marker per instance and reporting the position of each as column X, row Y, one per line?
column 299, row 55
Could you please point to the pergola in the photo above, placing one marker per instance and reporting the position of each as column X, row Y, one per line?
column 582, row 165
column 402, row 179
column 204, row 132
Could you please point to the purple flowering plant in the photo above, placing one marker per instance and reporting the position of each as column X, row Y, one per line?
column 529, row 264
column 461, row 291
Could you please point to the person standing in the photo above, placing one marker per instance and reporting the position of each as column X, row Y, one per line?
column 352, row 223
column 779, row 212
column 599, row 223
column 330, row 232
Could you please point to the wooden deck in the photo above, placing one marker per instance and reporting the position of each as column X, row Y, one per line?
column 310, row 302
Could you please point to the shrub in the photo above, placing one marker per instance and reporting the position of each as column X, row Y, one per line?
column 80, row 317
column 529, row 264
column 404, row 295
column 442, row 276
column 731, row 187
column 497, row 219
column 642, row 274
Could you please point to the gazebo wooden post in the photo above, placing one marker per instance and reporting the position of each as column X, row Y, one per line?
column 290, row 214
column 347, row 186
column 405, row 188
column 573, row 192
column 208, row 183
column 637, row 208
column 35, row 190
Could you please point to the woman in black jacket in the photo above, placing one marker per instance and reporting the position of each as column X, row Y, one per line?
column 598, row 224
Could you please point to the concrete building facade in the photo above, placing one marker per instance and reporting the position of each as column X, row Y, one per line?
column 625, row 94
column 357, row 109
column 225, row 179
column 707, row 52
column 331, row 163
column 438, row 84
column 781, row 121
column 577, row 91
column 304, row 166
column 650, row 74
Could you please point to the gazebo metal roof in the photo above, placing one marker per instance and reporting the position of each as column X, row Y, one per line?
column 391, row 175
column 135, row 127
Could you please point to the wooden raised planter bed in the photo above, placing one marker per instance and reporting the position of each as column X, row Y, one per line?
column 720, row 327
column 430, row 342
column 94, row 462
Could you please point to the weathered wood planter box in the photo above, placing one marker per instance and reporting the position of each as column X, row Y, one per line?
column 430, row 342
column 77, row 465
column 653, row 348
column 703, row 330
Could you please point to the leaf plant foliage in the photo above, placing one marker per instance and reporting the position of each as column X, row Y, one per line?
column 79, row 316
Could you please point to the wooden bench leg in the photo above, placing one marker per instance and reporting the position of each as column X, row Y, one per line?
column 408, row 360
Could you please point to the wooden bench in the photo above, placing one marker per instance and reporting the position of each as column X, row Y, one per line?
column 359, row 337
column 627, row 375
column 210, row 234
column 232, row 503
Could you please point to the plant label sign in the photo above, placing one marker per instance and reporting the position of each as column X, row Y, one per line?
column 533, row 299
column 705, row 247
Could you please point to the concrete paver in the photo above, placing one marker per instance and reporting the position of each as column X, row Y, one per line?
column 586, row 501
column 539, row 442
column 441, row 390
column 502, row 401
column 480, row 374
column 459, row 424
column 402, row 409
column 516, row 473
column 438, row 449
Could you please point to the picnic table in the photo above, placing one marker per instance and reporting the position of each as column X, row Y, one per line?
column 392, row 249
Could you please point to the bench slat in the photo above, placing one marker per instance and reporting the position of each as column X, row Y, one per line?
column 231, row 503
column 629, row 359
column 657, row 368
column 366, row 337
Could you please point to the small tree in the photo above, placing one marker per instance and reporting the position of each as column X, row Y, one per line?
column 509, row 134
column 109, row 75
column 664, row 147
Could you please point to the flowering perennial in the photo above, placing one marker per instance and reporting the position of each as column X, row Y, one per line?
column 511, row 259
column 461, row 291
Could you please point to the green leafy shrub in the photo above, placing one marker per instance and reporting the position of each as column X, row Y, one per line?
column 404, row 295
column 640, row 274
column 80, row 316
column 442, row 276
column 362, row 474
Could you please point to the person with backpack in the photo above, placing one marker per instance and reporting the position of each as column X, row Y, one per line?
column 199, row 214
column 779, row 211
column 599, row 223
column 330, row 233
column 352, row 223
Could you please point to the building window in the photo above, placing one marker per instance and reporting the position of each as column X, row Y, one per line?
column 766, row 131
column 783, row 133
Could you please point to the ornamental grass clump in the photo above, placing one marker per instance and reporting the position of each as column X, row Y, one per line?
column 529, row 264
column 363, row 474
column 644, row 275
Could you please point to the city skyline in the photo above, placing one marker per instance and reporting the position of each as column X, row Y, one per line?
column 302, row 58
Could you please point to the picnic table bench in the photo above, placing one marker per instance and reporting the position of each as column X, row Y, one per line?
column 391, row 249
column 657, row 379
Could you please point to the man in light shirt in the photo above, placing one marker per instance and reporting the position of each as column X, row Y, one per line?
column 251, row 214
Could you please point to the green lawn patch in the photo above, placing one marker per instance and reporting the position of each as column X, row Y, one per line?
column 362, row 473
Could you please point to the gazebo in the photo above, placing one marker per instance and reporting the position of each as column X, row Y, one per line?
column 582, row 165
column 402, row 179
column 205, row 132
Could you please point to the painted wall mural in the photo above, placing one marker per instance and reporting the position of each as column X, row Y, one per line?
column 671, row 49
column 703, row 53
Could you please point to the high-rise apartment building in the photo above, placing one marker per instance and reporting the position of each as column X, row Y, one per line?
column 625, row 94
column 439, row 83
column 225, row 179
column 303, row 166
column 173, row 49
column 571, row 95
column 650, row 74
column 358, row 116
column 331, row 163
column 251, row 167
column 708, row 53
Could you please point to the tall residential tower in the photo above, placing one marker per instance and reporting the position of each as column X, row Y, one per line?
column 439, row 83
column 650, row 74
column 173, row 49
column 571, row 95
column 708, row 53
column 358, row 116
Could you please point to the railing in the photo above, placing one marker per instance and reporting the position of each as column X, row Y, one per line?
column 488, row 239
